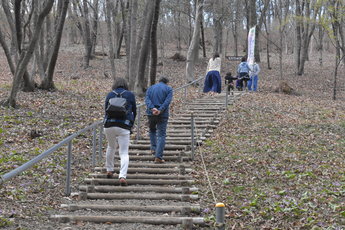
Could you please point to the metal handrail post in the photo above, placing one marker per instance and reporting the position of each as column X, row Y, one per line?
column 192, row 134
column 68, row 168
column 138, row 123
column 226, row 94
column 94, row 147
column 201, row 85
column 100, row 143
column 185, row 93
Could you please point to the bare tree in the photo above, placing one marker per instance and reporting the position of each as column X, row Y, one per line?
column 235, row 12
column 94, row 30
column 153, row 69
column 144, row 49
column 48, row 82
column 19, row 25
column 132, row 28
column 335, row 10
column 218, row 26
column 306, row 13
column 25, row 56
column 109, row 9
column 194, row 44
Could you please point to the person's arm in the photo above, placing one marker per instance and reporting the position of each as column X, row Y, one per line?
column 148, row 101
column 167, row 100
column 134, row 106
column 258, row 69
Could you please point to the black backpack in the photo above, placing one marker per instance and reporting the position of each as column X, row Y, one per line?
column 117, row 107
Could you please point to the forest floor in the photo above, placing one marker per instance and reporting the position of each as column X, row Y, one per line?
column 276, row 161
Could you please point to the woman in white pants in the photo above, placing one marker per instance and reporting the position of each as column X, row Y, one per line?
column 117, row 128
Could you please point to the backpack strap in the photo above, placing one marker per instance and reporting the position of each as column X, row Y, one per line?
column 117, row 94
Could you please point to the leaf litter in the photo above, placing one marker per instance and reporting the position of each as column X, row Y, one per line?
column 276, row 160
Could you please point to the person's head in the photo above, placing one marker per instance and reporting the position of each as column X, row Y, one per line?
column 228, row 74
column 120, row 82
column 164, row 79
column 215, row 55
column 243, row 59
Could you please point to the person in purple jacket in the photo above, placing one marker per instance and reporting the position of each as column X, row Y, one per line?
column 158, row 98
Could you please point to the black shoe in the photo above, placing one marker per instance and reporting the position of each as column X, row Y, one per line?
column 110, row 174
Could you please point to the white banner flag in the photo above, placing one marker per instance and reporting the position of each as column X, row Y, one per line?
column 251, row 46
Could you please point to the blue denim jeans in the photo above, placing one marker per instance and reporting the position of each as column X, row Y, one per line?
column 157, row 129
column 253, row 82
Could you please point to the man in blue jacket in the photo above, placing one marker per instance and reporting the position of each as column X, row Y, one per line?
column 158, row 98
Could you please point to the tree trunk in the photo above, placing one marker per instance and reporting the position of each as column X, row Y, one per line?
column 132, row 44
column 178, row 27
column 267, row 45
column 202, row 38
column 126, row 35
column 308, row 30
column 298, row 36
column 234, row 26
column 94, row 30
column 153, row 69
column 48, row 83
column 118, row 31
column 110, row 38
column 144, row 50
column 86, row 35
column 7, row 53
column 72, row 35
column 25, row 56
column 194, row 44
column 252, row 21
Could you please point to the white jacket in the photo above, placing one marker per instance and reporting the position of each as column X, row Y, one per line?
column 214, row 64
column 255, row 69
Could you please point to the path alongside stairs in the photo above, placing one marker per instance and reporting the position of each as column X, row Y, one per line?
column 159, row 194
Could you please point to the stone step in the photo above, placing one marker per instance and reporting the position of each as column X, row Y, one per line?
column 139, row 152
column 151, row 158
column 186, row 114
column 181, row 209
column 188, row 121
column 146, row 176
column 152, row 165
column 168, row 141
column 134, row 189
column 207, row 103
column 167, row 147
column 196, row 126
column 137, row 196
column 149, row 170
column 187, row 221
column 98, row 181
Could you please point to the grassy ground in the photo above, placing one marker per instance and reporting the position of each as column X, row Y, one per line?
column 277, row 162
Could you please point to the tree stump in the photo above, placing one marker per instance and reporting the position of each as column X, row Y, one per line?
column 284, row 88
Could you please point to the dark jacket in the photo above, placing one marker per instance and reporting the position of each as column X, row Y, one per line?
column 230, row 79
column 131, row 108
column 159, row 96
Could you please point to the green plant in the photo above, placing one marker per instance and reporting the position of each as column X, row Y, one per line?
column 5, row 222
